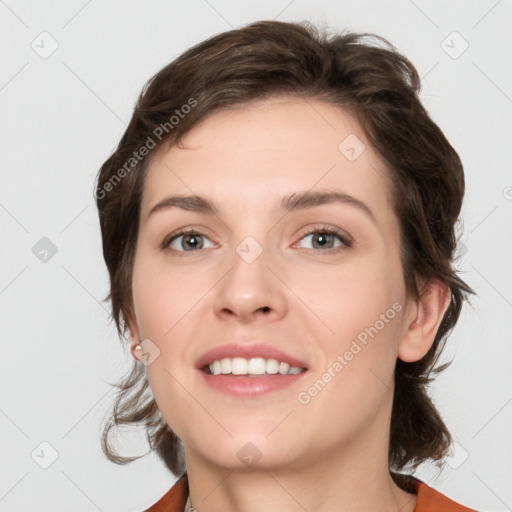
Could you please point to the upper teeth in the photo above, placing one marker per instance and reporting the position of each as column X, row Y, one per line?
column 254, row 366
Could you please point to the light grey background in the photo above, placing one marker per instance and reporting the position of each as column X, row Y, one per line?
column 63, row 114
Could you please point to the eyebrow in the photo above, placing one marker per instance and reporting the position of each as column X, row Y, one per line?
column 294, row 202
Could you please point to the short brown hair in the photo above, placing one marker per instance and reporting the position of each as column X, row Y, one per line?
column 365, row 75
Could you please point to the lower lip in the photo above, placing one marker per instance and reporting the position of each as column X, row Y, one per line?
column 241, row 385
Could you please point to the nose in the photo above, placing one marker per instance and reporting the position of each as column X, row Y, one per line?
column 250, row 291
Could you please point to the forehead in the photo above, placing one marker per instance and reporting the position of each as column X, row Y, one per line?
column 250, row 156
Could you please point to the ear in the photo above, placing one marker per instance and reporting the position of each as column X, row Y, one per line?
column 134, row 337
column 423, row 317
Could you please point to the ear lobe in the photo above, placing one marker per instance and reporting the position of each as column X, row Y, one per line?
column 429, row 312
column 134, row 337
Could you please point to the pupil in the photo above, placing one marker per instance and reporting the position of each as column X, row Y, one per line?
column 193, row 237
column 323, row 237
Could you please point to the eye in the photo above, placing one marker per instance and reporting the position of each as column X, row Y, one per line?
column 190, row 241
column 325, row 238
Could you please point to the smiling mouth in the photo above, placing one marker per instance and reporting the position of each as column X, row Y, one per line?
column 250, row 378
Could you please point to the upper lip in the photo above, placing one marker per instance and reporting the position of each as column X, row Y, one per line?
column 247, row 351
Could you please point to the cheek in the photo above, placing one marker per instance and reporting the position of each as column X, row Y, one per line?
column 364, row 311
column 360, row 309
column 164, row 301
column 348, row 300
column 163, row 296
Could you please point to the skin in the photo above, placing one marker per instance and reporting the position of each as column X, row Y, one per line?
column 328, row 454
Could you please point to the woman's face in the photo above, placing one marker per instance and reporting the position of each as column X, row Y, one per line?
column 261, row 270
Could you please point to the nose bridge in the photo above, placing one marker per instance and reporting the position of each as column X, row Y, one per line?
column 250, row 286
column 249, row 237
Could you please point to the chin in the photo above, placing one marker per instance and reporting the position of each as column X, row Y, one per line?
column 248, row 452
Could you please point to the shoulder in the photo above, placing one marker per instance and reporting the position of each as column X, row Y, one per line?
column 429, row 500
column 174, row 499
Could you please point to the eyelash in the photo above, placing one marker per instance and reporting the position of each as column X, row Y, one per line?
column 325, row 230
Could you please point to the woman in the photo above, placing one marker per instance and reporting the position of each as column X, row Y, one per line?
column 278, row 226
